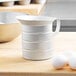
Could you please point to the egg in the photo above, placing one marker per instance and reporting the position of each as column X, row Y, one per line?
column 59, row 61
column 72, row 62
column 68, row 53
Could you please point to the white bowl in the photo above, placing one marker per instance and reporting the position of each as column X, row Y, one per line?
column 36, row 37
column 37, row 55
column 9, row 26
column 36, row 46
column 9, row 32
column 36, row 29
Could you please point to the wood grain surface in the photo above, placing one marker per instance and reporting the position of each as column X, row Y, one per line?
column 33, row 9
column 13, row 64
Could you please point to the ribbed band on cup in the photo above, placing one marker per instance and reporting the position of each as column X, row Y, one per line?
column 36, row 37
column 37, row 29
column 38, row 50
column 36, row 46
column 37, row 55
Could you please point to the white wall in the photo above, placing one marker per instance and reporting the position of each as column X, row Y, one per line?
column 60, row 0
column 63, row 10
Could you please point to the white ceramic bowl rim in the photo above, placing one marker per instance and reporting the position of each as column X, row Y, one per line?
column 9, row 17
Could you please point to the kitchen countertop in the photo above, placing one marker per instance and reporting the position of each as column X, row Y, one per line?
column 13, row 64
column 33, row 9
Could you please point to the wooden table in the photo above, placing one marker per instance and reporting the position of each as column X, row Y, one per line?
column 13, row 64
column 34, row 9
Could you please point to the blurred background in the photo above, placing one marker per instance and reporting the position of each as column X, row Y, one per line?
column 65, row 11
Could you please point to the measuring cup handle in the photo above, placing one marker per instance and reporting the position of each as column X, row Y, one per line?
column 57, row 27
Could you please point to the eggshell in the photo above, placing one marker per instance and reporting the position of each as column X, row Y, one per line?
column 72, row 62
column 59, row 61
column 68, row 53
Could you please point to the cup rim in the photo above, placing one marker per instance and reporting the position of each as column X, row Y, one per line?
column 35, row 18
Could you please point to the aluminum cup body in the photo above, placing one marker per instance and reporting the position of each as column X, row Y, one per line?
column 43, row 55
column 36, row 37
column 37, row 32
column 37, row 29
column 35, row 46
